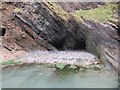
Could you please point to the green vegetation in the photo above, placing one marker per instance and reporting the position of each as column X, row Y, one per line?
column 62, row 66
column 10, row 62
column 101, row 14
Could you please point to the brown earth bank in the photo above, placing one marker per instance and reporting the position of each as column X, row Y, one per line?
column 35, row 26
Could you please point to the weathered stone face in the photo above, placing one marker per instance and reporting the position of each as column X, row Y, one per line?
column 102, row 40
column 42, row 28
column 62, row 34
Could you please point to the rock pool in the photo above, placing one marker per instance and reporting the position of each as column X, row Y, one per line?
column 42, row 76
column 39, row 76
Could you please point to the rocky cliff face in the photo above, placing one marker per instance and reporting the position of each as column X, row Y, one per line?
column 36, row 26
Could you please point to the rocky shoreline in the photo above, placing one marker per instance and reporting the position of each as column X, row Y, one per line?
column 35, row 26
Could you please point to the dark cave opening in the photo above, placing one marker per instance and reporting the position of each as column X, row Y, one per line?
column 58, row 45
column 2, row 31
column 80, row 46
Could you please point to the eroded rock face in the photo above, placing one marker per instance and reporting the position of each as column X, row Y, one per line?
column 102, row 40
column 51, row 27
column 40, row 27
column 20, row 35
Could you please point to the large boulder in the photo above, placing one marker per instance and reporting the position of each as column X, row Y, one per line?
column 102, row 40
column 15, row 37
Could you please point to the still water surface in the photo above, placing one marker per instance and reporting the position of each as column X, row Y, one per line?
column 39, row 76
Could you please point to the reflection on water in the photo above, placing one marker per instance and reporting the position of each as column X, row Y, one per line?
column 39, row 76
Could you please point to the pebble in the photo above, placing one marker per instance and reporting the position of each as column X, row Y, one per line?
column 69, row 57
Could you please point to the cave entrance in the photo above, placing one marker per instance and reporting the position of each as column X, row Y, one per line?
column 2, row 31
column 58, row 45
column 80, row 46
column 75, row 45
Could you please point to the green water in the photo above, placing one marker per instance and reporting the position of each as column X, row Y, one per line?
column 39, row 76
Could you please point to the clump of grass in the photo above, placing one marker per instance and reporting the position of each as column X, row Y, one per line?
column 10, row 62
column 101, row 14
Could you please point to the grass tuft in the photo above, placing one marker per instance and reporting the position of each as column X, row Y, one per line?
column 10, row 62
